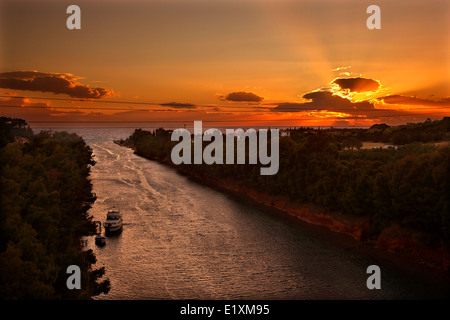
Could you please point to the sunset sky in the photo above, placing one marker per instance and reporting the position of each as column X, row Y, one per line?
column 225, row 62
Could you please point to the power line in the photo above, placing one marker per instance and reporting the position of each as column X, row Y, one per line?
column 257, row 109
column 164, row 104
column 188, row 106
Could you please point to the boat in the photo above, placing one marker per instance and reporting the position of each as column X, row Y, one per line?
column 113, row 223
column 100, row 240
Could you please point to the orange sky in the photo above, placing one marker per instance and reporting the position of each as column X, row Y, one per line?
column 225, row 62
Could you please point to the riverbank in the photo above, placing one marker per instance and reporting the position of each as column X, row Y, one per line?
column 46, row 195
column 395, row 239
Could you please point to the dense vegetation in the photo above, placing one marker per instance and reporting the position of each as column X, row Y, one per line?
column 45, row 196
column 409, row 185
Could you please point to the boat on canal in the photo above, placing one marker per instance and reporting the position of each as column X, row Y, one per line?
column 114, row 221
column 99, row 239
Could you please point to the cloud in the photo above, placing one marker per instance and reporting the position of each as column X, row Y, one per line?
column 407, row 100
column 39, row 111
column 325, row 100
column 178, row 105
column 22, row 102
column 210, row 108
column 33, row 73
column 340, row 123
column 241, row 97
column 357, row 84
column 341, row 68
column 59, row 83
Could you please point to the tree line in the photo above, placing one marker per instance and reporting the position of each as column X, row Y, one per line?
column 425, row 132
column 409, row 186
column 45, row 197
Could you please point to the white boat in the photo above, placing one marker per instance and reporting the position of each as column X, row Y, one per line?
column 113, row 223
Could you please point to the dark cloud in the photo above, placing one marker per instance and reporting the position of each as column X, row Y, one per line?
column 325, row 100
column 28, row 75
column 177, row 105
column 241, row 97
column 22, row 102
column 38, row 111
column 340, row 123
column 59, row 83
column 212, row 108
column 406, row 100
column 357, row 84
